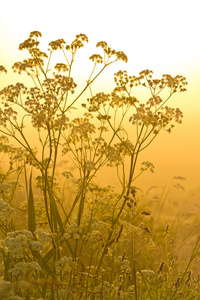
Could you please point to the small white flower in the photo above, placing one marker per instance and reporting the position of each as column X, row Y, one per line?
column 37, row 246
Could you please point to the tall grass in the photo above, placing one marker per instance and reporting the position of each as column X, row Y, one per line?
column 71, row 238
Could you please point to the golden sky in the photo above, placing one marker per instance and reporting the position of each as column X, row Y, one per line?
column 158, row 35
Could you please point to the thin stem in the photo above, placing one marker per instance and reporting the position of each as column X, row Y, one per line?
column 87, row 85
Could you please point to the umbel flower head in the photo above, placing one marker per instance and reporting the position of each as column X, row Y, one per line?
column 3, row 69
column 120, row 55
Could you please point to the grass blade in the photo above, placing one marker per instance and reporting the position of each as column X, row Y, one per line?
column 31, row 208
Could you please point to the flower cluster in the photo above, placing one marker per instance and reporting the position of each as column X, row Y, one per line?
column 115, row 100
column 23, row 269
column 159, row 119
column 60, row 67
column 125, row 148
column 113, row 156
column 98, row 100
column 175, row 84
column 145, row 78
column 28, row 66
column 59, row 85
column 79, row 235
column 72, row 231
column 96, row 58
column 65, row 264
column 31, row 44
column 147, row 165
column 17, row 242
column 57, row 44
column 120, row 55
column 42, row 107
column 122, row 80
column 6, row 211
column 82, row 130
column 120, row 99
column 75, row 45
column 3, row 69
column 12, row 92
column 10, row 95
column 7, row 115
column 154, row 101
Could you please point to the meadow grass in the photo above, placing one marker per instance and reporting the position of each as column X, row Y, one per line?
column 63, row 236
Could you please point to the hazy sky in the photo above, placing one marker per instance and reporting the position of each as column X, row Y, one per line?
column 158, row 35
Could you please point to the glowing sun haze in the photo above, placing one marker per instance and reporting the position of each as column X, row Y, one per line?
column 158, row 35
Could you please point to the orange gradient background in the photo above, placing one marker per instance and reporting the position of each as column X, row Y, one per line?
column 159, row 35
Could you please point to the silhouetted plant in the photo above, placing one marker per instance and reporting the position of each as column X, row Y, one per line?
column 83, row 248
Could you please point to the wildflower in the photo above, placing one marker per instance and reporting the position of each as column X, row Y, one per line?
column 147, row 73
column 176, row 84
column 178, row 116
column 125, row 148
column 77, row 43
column 6, row 211
column 153, row 101
column 96, row 58
column 22, row 268
column 38, row 55
column 16, row 242
column 147, row 165
column 35, row 33
column 103, row 45
column 67, row 174
column 65, row 264
column 2, row 69
column 122, row 56
column 37, row 246
column 101, row 226
column 97, row 100
column 33, row 266
column 83, row 37
column 72, row 231
column 31, row 42
column 61, row 67
column 113, row 156
column 19, row 268
column 57, row 44
column 103, row 118
column 90, row 165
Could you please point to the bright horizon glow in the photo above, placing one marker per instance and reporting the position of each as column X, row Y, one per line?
column 152, row 33
column 158, row 35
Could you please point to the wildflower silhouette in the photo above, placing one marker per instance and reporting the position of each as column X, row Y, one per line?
column 72, row 249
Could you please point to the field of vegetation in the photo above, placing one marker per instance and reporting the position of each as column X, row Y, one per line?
column 63, row 236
